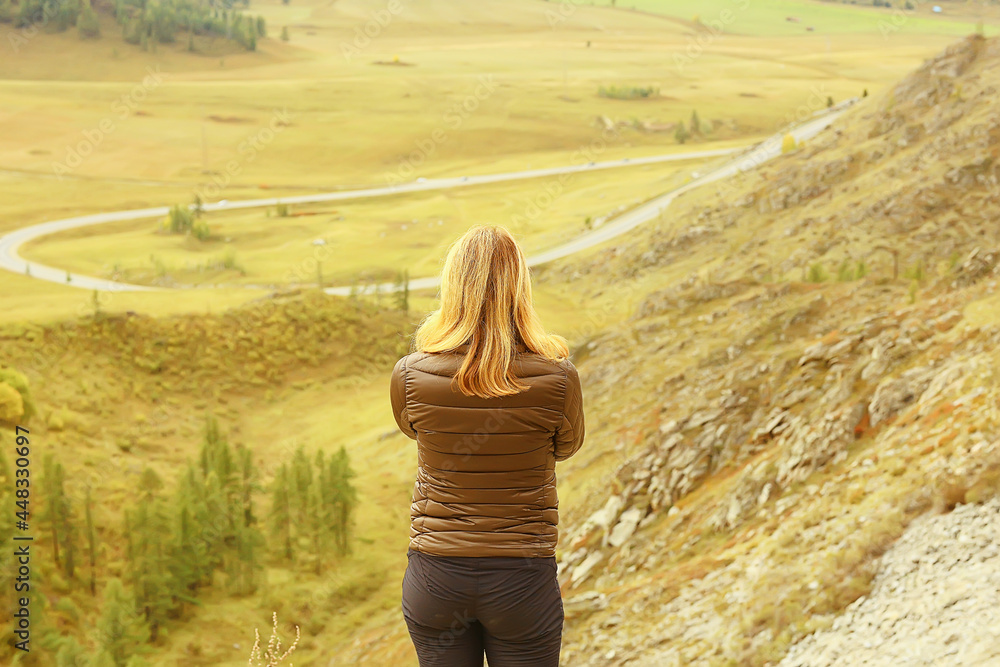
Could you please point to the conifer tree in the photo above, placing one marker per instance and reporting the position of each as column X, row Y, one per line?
column 120, row 630
column 345, row 500
column 281, row 512
column 153, row 583
column 91, row 542
column 57, row 514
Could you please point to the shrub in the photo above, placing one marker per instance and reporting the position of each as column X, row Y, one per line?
column 284, row 34
column 916, row 272
column 788, row 144
column 862, row 269
column 180, row 219
column 681, row 134
column 87, row 24
column 628, row 92
column 845, row 273
column 18, row 381
column 817, row 274
column 11, row 405
column 200, row 230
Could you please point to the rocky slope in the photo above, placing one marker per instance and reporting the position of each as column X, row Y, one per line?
column 936, row 600
column 811, row 366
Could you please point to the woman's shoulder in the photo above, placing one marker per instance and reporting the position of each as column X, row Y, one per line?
column 534, row 363
column 435, row 363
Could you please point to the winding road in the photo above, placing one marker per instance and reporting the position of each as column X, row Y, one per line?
column 749, row 158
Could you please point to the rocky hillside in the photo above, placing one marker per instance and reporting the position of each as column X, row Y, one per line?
column 811, row 366
column 943, row 572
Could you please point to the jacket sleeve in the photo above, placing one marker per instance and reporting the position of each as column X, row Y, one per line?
column 397, row 395
column 569, row 435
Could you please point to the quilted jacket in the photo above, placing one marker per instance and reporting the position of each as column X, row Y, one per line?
column 486, row 482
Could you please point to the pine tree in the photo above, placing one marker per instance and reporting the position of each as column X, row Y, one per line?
column 695, row 122
column 120, row 629
column 301, row 481
column 345, row 498
column 317, row 528
column 153, row 584
column 70, row 653
column 403, row 291
column 281, row 512
column 192, row 561
column 56, row 513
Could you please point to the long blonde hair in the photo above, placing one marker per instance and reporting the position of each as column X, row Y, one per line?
column 486, row 302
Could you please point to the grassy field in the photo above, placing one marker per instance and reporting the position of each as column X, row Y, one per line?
column 366, row 238
column 317, row 114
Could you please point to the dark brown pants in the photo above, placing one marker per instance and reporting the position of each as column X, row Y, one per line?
column 458, row 609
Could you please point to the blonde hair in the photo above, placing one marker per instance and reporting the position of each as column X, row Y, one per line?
column 486, row 302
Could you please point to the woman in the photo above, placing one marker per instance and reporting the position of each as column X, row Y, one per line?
column 493, row 402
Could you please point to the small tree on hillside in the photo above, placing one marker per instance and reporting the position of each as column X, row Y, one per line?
column 87, row 24
column 788, row 144
column 695, row 122
column 681, row 134
column 120, row 631
column 403, row 291
column 284, row 32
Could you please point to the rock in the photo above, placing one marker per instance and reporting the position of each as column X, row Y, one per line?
column 892, row 395
column 625, row 527
column 584, row 602
column 582, row 571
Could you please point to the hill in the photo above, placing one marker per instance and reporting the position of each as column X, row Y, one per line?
column 815, row 370
column 130, row 418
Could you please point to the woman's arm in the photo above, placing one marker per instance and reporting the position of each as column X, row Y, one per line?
column 569, row 436
column 397, row 395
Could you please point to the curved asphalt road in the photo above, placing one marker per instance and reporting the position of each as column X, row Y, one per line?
column 11, row 261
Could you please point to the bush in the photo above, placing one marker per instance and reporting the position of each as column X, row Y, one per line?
column 817, row 274
column 180, row 220
column 19, row 383
column 788, row 144
column 87, row 24
column 681, row 134
column 845, row 273
column 628, row 92
column 200, row 230
column 284, row 34
column 11, row 405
